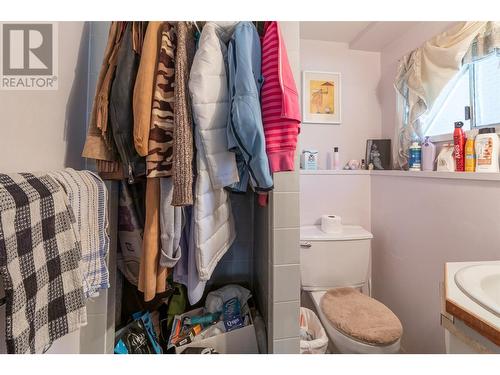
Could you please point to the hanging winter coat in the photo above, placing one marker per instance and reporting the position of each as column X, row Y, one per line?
column 210, row 102
column 244, row 130
column 216, row 166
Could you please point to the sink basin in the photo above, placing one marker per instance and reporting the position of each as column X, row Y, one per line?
column 481, row 283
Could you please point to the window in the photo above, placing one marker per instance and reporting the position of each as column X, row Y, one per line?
column 486, row 95
column 476, row 88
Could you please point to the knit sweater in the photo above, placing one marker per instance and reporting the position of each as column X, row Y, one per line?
column 279, row 100
column 183, row 119
column 161, row 133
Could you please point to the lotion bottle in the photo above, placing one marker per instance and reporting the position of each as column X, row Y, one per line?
column 428, row 155
column 336, row 159
column 487, row 146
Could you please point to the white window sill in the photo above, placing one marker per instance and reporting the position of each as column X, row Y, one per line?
column 449, row 137
column 397, row 173
column 446, row 175
column 441, row 138
column 334, row 172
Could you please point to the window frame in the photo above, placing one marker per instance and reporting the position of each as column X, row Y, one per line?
column 471, row 71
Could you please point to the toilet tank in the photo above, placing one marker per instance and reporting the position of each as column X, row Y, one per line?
column 330, row 260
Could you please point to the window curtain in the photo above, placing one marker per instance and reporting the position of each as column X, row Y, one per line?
column 422, row 75
column 486, row 43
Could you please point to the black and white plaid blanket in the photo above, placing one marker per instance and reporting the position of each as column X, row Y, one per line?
column 39, row 263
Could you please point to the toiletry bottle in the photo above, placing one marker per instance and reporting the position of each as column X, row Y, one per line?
column 487, row 147
column 445, row 159
column 363, row 164
column 459, row 146
column 428, row 155
column 336, row 159
column 470, row 153
column 415, row 161
column 304, row 158
column 312, row 160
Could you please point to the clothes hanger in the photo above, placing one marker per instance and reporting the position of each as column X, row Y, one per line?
column 196, row 25
column 259, row 25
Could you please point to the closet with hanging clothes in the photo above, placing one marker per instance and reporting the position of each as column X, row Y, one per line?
column 189, row 135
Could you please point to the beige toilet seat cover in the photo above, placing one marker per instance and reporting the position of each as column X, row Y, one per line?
column 360, row 316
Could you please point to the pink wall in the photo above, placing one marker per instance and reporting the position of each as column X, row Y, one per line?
column 419, row 224
column 361, row 117
column 413, row 38
column 346, row 195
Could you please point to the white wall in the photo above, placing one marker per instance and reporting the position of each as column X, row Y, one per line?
column 418, row 225
column 361, row 116
column 43, row 130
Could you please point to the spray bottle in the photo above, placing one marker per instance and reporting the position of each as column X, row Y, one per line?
column 459, row 146
column 470, row 152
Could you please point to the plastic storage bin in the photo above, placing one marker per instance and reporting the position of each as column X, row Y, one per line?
column 310, row 323
column 240, row 341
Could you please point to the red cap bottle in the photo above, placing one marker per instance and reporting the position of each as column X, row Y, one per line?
column 459, row 147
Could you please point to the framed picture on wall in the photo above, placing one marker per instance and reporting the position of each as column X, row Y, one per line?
column 378, row 152
column 321, row 97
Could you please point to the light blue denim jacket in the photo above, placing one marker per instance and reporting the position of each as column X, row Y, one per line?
column 245, row 132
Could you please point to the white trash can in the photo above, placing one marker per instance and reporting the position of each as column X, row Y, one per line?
column 313, row 338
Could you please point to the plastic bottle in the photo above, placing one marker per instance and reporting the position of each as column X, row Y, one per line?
column 428, row 155
column 336, row 159
column 459, row 147
column 415, row 161
column 487, row 146
column 470, row 153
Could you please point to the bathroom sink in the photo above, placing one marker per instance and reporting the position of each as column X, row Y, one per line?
column 481, row 283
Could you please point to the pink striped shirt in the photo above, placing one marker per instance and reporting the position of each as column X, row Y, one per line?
column 279, row 101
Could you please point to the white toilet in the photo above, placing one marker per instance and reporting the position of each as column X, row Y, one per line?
column 334, row 267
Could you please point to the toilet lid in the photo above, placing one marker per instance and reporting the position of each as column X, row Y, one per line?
column 360, row 316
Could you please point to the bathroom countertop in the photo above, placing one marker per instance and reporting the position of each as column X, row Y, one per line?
column 464, row 308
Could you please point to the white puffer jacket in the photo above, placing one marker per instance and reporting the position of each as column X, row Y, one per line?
column 214, row 230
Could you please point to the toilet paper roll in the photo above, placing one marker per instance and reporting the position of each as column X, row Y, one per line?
column 331, row 223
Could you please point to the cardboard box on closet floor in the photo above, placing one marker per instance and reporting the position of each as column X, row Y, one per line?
column 238, row 341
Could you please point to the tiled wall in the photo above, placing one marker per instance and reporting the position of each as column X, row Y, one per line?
column 236, row 266
column 285, row 219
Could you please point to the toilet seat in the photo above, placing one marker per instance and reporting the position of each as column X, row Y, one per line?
column 343, row 341
column 360, row 316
